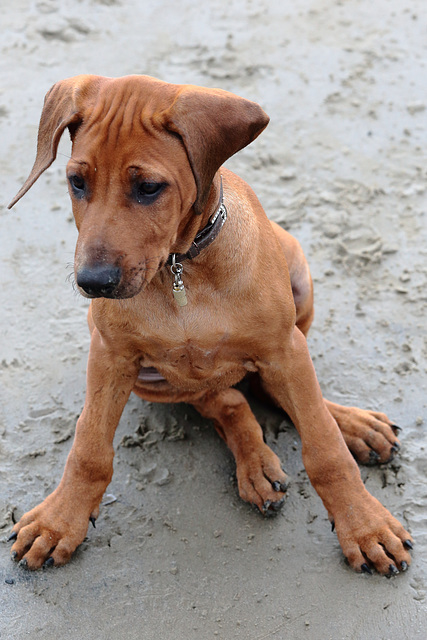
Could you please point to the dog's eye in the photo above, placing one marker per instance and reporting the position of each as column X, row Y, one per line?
column 149, row 188
column 146, row 192
column 77, row 185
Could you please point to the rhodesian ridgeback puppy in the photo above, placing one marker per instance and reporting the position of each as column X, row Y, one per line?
column 192, row 289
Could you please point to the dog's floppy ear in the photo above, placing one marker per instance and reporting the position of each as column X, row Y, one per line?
column 213, row 124
column 59, row 111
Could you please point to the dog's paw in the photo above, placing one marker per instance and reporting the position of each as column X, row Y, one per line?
column 370, row 435
column 371, row 538
column 261, row 480
column 49, row 534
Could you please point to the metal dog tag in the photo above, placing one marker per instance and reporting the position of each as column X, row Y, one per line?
column 178, row 286
column 179, row 294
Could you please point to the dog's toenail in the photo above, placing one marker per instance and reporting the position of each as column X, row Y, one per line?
column 393, row 570
column 266, row 506
column 48, row 563
column 403, row 565
column 12, row 536
column 366, row 568
column 23, row 563
column 277, row 505
column 270, row 508
column 13, row 555
column 373, row 457
column 408, row 544
column 276, row 486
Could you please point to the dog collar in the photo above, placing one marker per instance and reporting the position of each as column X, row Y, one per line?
column 206, row 236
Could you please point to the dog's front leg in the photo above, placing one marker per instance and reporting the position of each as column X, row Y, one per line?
column 53, row 530
column 368, row 533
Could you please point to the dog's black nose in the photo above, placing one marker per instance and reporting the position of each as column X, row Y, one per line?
column 99, row 281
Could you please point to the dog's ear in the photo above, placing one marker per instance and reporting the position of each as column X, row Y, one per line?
column 213, row 124
column 60, row 110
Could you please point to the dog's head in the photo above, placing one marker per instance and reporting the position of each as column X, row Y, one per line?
column 144, row 155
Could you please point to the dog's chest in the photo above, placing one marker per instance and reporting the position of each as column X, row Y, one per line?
column 192, row 349
column 194, row 358
column 191, row 360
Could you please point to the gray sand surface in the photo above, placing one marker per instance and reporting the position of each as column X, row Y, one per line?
column 342, row 166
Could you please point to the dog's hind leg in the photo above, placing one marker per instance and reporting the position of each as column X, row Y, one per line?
column 370, row 435
column 301, row 282
column 261, row 479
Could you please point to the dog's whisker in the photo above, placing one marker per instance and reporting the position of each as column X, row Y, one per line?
column 71, row 280
column 153, row 259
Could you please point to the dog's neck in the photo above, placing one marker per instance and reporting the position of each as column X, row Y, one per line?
column 211, row 225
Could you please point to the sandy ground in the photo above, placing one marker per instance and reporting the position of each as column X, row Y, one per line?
column 175, row 553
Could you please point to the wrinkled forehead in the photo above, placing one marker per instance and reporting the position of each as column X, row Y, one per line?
column 118, row 146
column 121, row 126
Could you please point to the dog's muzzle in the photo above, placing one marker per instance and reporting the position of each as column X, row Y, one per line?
column 99, row 281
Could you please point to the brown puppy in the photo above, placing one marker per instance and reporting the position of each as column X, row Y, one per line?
column 145, row 182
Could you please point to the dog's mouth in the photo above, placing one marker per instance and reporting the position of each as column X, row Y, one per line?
column 118, row 294
column 111, row 281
